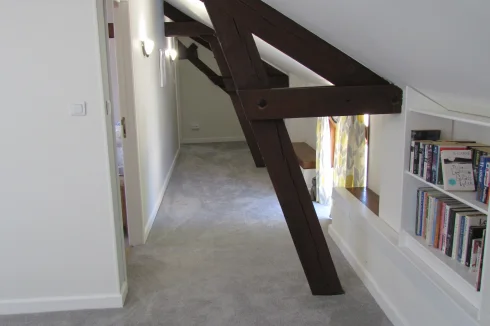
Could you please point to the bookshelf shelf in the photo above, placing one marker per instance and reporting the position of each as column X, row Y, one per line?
column 458, row 275
column 466, row 197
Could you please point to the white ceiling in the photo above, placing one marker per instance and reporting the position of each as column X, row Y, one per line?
column 440, row 47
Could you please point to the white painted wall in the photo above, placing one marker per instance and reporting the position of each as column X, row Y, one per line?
column 205, row 104
column 155, row 107
column 58, row 246
column 302, row 129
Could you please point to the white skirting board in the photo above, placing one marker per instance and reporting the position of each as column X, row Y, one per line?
column 212, row 140
column 406, row 293
column 158, row 203
column 37, row 305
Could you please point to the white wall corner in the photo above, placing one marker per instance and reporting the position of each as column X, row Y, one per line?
column 159, row 201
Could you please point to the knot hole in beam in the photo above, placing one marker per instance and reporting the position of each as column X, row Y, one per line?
column 262, row 104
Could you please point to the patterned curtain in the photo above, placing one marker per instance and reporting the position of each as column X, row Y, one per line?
column 323, row 162
column 350, row 149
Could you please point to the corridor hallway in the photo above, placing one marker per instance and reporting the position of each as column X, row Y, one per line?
column 219, row 254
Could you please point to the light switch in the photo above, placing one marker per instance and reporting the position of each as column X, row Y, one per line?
column 78, row 109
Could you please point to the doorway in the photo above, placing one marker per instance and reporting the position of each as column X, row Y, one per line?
column 118, row 45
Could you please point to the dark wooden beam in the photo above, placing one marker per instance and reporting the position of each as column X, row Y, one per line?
column 300, row 44
column 175, row 14
column 326, row 101
column 187, row 29
column 229, row 84
column 248, row 73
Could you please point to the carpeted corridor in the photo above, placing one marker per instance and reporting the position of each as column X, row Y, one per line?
column 220, row 254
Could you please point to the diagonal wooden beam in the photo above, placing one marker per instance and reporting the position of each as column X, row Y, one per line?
column 298, row 43
column 248, row 73
column 320, row 101
column 187, row 29
column 177, row 16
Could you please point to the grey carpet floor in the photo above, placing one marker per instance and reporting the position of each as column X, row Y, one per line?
column 220, row 254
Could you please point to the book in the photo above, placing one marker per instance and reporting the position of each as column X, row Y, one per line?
column 437, row 161
column 423, row 157
column 486, row 181
column 453, row 230
column 479, row 263
column 420, row 209
column 477, row 153
column 475, row 232
column 449, row 223
column 415, row 136
column 475, row 250
column 470, row 220
column 428, row 162
column 457, row 170
column 415, row 167
column 481, row 175
column 443, row 223
column 432, row 214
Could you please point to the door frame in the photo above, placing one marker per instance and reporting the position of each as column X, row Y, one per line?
column 117, row 13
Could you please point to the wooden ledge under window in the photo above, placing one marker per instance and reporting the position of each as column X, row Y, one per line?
column 366, row 196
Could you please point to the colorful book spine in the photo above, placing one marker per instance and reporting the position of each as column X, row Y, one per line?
column 442, row 238
column 486, row 181
column 422, row 159
column 428, row 162
column 456, row 235
column 474, row 233
column 480, row 263
column 481, row 169
column 461, row 237
column 475, row 249
column 425, row 216
column 435, row 160
column 476, row 164
column 437, row 223
column 451, row 223
column 415, row 168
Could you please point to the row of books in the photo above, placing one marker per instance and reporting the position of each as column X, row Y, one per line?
column 452, row 227
column 454, row 164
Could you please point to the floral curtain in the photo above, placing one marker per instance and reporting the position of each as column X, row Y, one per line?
column 323, row 162
column 350, row 152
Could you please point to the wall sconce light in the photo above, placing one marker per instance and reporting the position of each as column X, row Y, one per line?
column 147, row 46
column 171, row 53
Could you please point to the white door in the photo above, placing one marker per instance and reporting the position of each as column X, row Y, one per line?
column 119, row 52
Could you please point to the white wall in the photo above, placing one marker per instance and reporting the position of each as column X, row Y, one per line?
column 301, row 129
column 203, row 103
column 155, row 107
column 57, row 234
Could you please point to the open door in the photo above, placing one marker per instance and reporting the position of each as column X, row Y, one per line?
column 123, row 114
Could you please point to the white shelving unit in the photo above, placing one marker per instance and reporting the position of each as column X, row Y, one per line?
column 423, row 113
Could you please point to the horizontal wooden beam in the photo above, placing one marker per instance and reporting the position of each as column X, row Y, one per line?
column 187, row 29
column 265, row 104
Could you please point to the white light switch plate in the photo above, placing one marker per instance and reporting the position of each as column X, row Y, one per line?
column 78, row 109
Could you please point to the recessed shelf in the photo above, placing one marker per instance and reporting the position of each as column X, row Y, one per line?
column 453, row 272
column 466, row 197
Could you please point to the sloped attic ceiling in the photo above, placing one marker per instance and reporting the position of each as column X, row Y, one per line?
column 441, row 47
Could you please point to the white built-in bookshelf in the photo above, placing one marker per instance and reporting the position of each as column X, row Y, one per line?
column 451, row 276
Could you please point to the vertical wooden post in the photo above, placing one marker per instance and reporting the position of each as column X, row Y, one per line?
column 248, row 73
column 244, row 122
